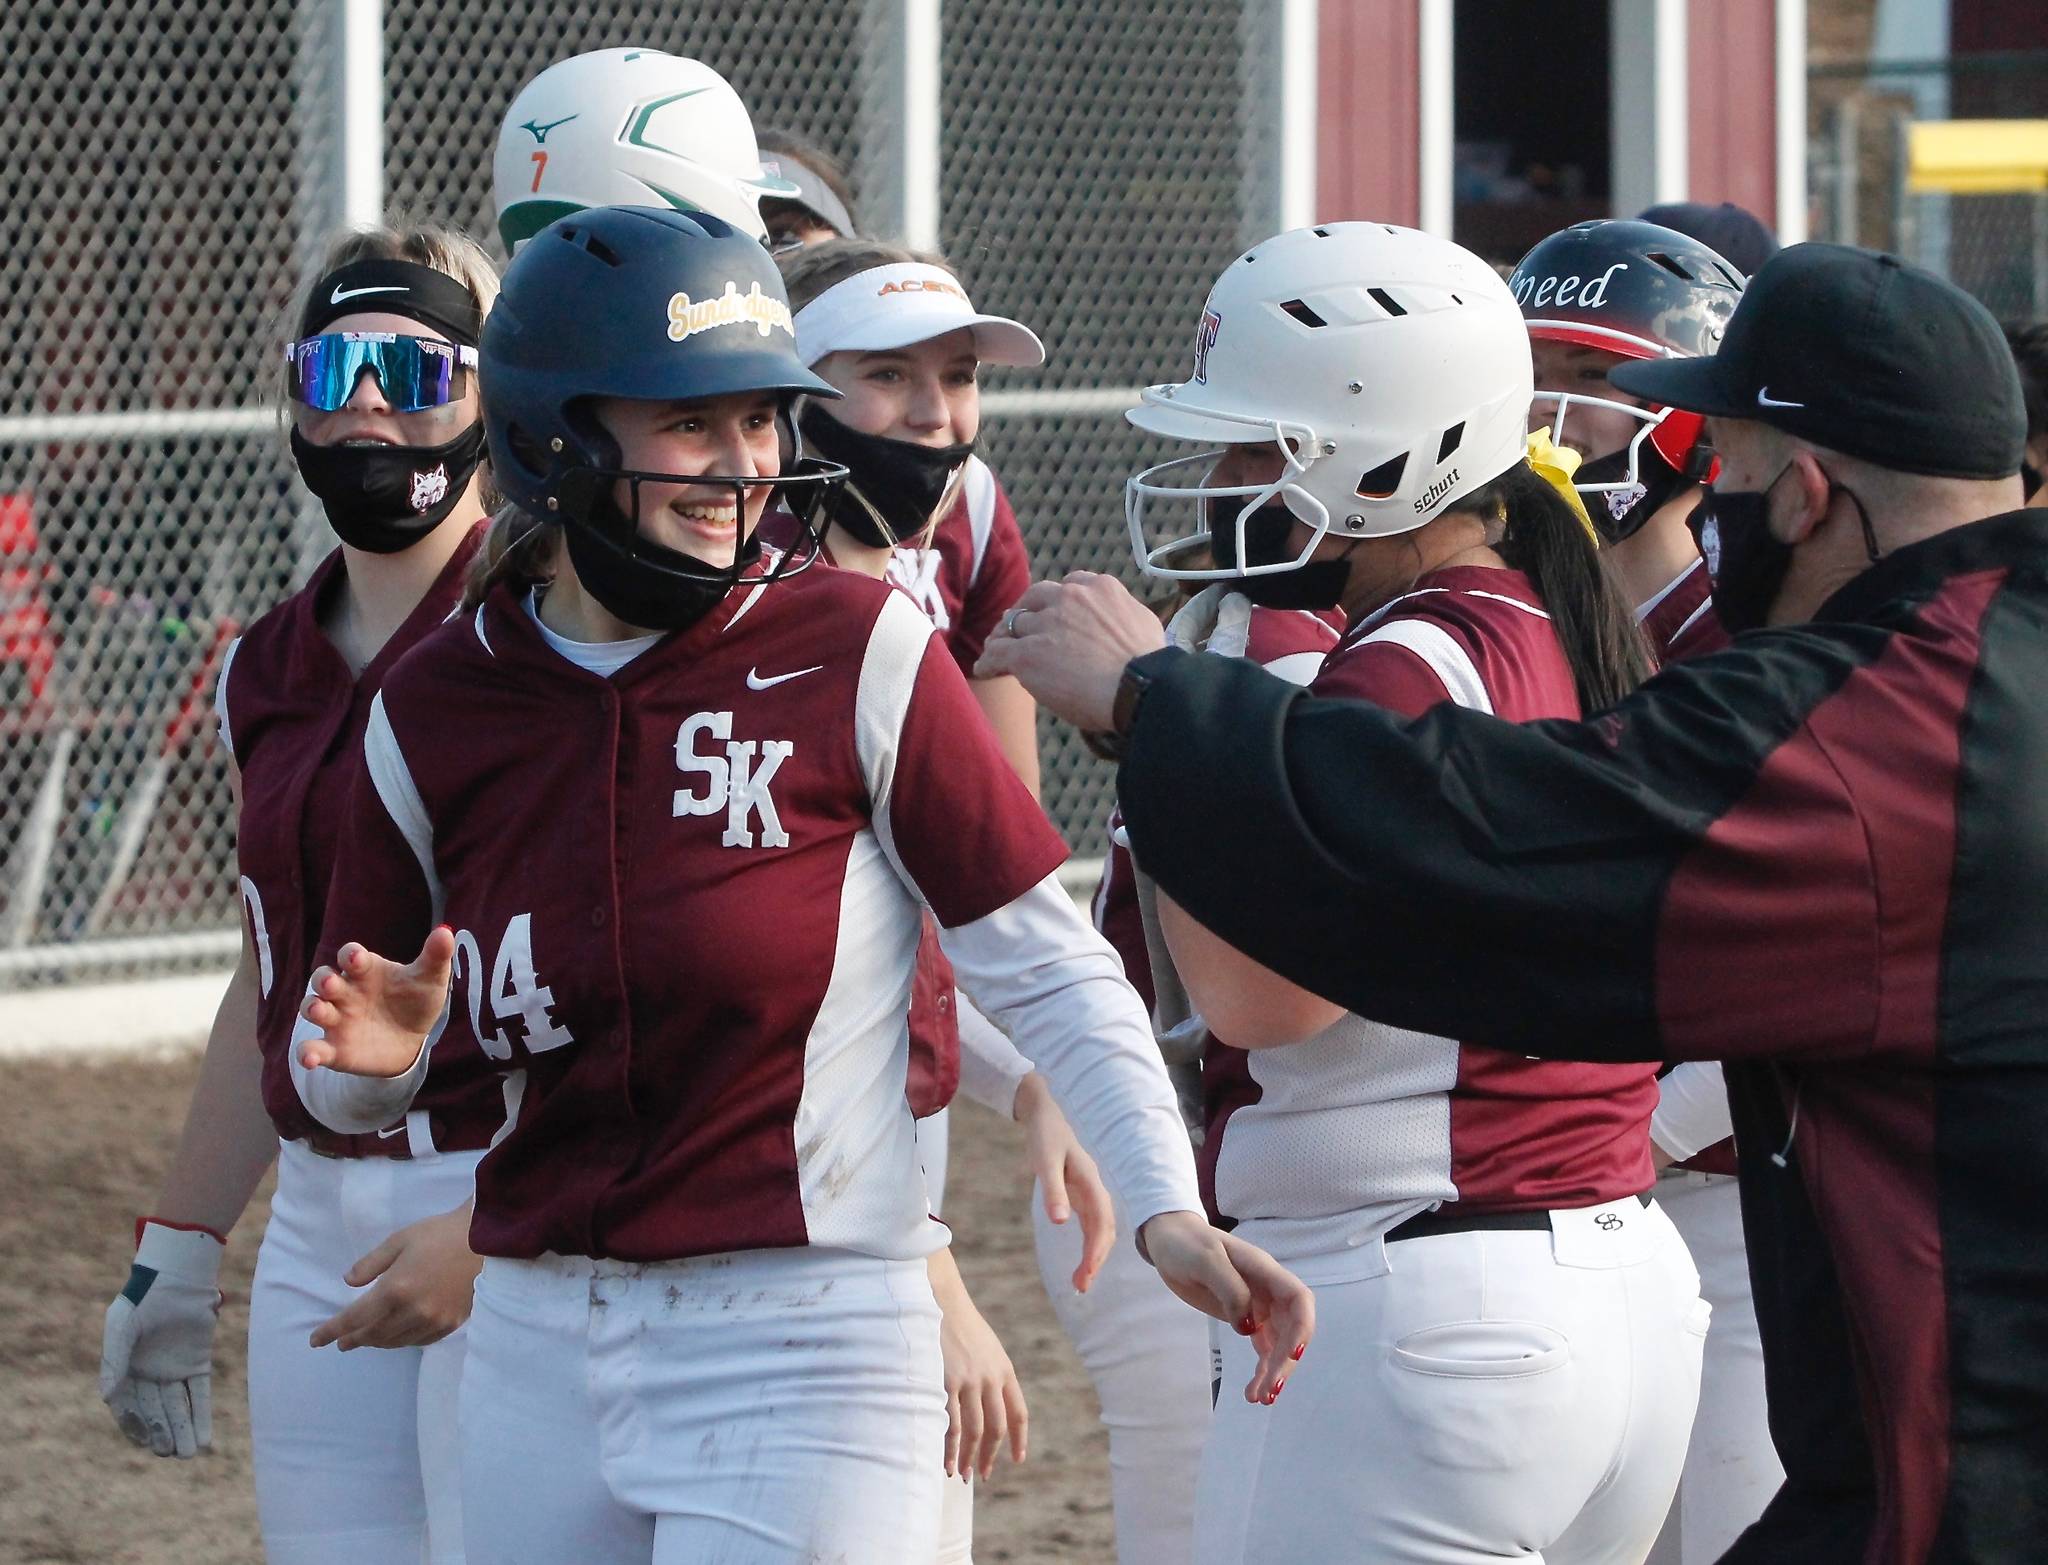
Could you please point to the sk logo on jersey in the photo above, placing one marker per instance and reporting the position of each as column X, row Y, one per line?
column 916, row 571
column 735, row 782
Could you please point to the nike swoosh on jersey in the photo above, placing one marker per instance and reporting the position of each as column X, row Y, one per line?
column 341, row 293
column 1764, row 399
column 756, row 682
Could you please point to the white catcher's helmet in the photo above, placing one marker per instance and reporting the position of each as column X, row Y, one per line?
column 1391, row 369
column 627, row 127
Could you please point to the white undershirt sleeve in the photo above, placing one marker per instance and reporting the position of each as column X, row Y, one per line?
column 1047, row 979
column 1692, row 1110
column 356, row 1104
column 991, row 1069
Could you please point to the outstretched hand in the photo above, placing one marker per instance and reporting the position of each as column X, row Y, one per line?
column 1224, row 1276
column 374, row 1014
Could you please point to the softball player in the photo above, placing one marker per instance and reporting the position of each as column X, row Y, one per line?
column 1594, row 296
column 680, row 818
column 386, row 434
column 899, row 339
column 1519, row 1328
column 1147, row 1357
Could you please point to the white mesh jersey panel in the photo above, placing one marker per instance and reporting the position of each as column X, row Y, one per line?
column 1351, row 1133
column 857, row 1166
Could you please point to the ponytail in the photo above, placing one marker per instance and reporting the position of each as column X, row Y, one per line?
column 1549, row 542
column 518, row 547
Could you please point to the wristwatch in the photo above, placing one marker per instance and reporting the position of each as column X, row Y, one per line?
column 1123, row 714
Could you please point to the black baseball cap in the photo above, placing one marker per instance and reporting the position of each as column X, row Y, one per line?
column 1736, row 233
column 1859, row 352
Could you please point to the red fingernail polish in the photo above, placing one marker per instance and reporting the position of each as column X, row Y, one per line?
column 1279, row 1387
column 1299, row 1349
column 1272, row 1396
column 1246, row 1327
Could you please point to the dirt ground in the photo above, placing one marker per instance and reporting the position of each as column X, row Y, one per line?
column 80, row 1150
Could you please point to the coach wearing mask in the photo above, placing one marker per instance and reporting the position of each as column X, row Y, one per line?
column 1821, row 856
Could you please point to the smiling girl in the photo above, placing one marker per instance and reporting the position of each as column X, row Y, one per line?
column 667, row 817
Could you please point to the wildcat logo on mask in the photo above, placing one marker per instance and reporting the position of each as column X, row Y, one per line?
column 429, row 489
column 1623, row 500
column 1205, row 339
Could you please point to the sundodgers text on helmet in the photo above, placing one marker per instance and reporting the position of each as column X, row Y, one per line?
column 1389, row 368
column 628, row 127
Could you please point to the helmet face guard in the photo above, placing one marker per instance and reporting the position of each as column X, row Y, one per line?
column 1148, row 488
column 647, row 583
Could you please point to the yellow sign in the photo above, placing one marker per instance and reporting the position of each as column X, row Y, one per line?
column 1977, row 157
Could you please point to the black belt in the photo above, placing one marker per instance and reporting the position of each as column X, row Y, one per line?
column 468, row 1135
column 1449, row 1220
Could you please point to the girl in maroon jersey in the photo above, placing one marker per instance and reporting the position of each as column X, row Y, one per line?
column 1519, row 1330
column 362, row 1246
column 683, row 813
column 896, row 335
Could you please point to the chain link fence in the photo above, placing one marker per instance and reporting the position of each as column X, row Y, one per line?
column 175, row 169
column 1860, row 116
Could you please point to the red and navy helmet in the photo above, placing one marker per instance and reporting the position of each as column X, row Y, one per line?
column 1634, row 289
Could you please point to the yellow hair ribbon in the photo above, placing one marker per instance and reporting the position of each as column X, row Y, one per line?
column 1555, row 465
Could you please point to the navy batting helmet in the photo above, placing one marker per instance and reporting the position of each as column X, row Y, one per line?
column 647, row 304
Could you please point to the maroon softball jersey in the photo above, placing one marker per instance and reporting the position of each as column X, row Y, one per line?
column 964, row 580
column 1680, row 621
column 973, row 568
column 687, row 901
column 1318, row 1145
column 292, row 716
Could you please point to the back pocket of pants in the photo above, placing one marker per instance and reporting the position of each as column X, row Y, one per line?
column 1483, row 1350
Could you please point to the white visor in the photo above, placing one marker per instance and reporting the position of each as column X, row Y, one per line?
column 895, row 306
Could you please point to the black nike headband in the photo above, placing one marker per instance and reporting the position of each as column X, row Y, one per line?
column 419, row 293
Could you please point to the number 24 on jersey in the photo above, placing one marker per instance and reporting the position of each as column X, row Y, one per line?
column 514, row 992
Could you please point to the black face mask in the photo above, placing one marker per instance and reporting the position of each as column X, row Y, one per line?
column 385, row 499
column 893, row 487
column 1745, row 559
column 1620, row 513
column 2030, row 480
column 642, row 582
column 1268, row 540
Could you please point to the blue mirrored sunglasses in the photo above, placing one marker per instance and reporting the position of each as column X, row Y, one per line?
column 414, row 372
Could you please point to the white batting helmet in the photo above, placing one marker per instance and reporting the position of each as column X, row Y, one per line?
column 627, row 127
column 1391, row 369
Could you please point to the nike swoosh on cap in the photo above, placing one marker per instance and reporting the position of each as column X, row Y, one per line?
column 1764, row 399
column 756, row 682
column 341, row 293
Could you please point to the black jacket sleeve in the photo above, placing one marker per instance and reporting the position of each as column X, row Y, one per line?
column 1456, row 873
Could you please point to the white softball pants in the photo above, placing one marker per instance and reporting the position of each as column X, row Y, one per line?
column 1731, row 1467
column 1148, row 1356
column 1493, row 1395
column 770, row 1407
column 355, row 1454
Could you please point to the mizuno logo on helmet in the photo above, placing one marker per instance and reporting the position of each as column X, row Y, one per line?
column 539, row 132
column 687, row 317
